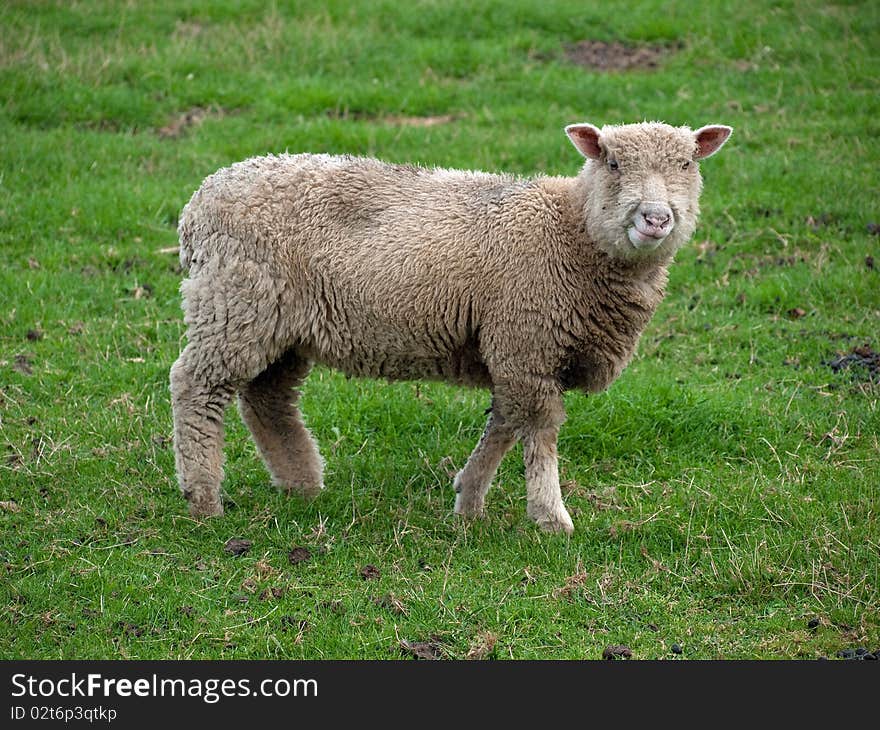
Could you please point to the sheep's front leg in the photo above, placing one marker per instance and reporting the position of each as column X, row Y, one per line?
column 534, row 407
column 473, row 481
column 544, row 497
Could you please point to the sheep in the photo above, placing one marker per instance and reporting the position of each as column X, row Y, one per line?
column 526, row 286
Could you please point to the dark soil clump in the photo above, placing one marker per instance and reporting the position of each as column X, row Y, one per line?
column 618, row 651
column 23, row 364
column 299, row 554
column 235, row 546
column 862, row 362
column 429, row 650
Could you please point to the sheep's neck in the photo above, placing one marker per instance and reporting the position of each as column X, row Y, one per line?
column 615, row 300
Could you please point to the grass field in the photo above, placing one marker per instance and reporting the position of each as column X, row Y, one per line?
column 724, row 490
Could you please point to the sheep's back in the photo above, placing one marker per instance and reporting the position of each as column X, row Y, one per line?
column 388, row 269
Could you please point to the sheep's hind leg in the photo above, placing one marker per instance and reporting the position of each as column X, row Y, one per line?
column 232, row 323
column 473, row 481
column 198, row 404
column 268, row 407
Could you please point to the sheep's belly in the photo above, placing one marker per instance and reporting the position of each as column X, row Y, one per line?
column 462, row 367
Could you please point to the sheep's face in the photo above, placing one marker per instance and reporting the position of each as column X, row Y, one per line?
column 643, row 184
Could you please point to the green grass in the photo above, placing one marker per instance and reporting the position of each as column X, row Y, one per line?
column 724, row 490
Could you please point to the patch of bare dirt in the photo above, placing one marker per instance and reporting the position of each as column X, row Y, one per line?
column 183, row 121
column 428, row 650
column 616, row 55
column 298, row 555
column 370, row 572
column 23, row 364
column 428, row 121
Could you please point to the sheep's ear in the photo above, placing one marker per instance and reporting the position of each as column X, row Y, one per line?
column 710, row 139
column 586, row 138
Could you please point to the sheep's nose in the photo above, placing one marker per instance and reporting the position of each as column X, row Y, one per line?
column 657, row 220
column 657, row 217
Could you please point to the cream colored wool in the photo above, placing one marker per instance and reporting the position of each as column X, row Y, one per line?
column 528, row 287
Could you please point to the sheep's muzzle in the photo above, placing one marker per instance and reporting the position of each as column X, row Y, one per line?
column 651, row 223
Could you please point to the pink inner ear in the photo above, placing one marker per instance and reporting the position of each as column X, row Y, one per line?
column 710, row 139
column 586, row 138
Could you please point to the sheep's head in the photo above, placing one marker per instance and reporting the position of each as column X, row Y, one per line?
column 643, row 184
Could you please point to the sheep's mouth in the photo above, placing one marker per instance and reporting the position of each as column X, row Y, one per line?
column 645, row 241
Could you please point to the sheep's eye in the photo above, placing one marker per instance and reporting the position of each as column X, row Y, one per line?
column 612, row 165
column 686, row 165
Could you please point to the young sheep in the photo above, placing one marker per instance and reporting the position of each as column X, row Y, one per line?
column 528, row 287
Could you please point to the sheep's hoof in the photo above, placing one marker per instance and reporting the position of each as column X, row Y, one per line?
column 469, row 508
column 305, row 490
column 552, row 519
column 467, row 502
